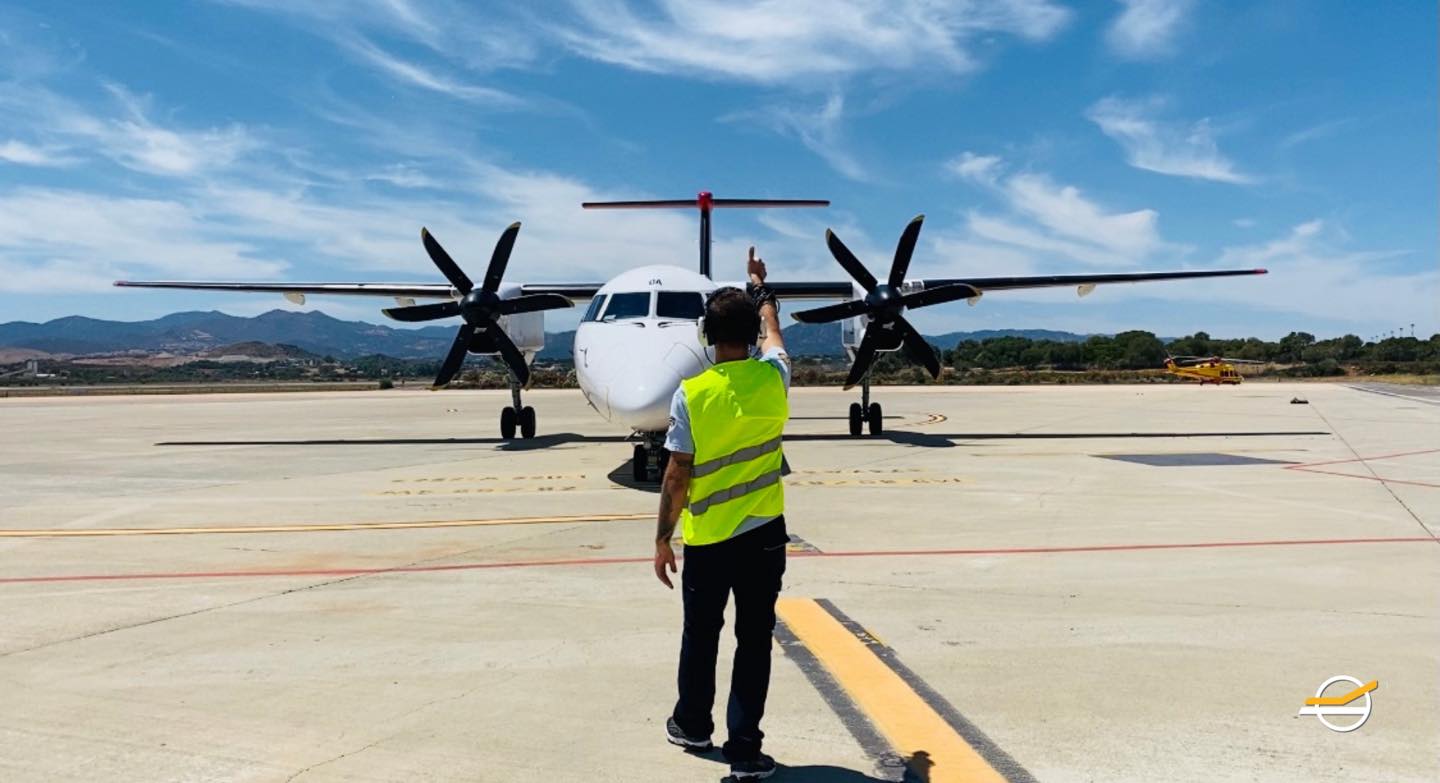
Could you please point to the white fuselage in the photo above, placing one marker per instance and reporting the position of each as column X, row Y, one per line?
column 638, row 340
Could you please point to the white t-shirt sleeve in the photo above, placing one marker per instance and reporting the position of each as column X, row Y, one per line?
column 678, row 438
column 777, row 358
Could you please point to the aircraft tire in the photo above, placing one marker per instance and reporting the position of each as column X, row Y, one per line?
column 507, row 423
column 527, row 422
column 856, row 420
column 639, row 469
column 875, row 419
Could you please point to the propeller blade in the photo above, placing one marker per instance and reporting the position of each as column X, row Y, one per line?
column 512, row 356
column 904, row 250
column 445, row 263
column 532, row 303
column 501, row 257
column 455, row 358
column 829, row 313
column 939, row 295
column 848, row 260
column 425, row 312
column 864, row 356
column 919, row 347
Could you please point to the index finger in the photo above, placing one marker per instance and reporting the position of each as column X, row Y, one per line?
column 752, row 253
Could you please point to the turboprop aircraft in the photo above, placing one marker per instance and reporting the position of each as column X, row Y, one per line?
column 637, row 339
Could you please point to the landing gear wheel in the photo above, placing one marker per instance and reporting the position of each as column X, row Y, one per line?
column 640, row 464
column 527, row 422
column 507, row 424
column 857, row 419
column 875, row 419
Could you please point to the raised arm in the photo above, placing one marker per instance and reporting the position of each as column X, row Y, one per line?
column 770, row 335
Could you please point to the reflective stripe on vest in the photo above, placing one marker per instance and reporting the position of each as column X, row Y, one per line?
column 737, row 414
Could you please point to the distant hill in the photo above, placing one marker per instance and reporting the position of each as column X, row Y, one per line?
column 287, row 333
column 198, row 332
column 258, row 350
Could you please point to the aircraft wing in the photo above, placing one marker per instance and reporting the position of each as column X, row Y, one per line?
column 401, row 290
column 785, row 290
column 845, row 290
column 395, row 290
column 1058, row 281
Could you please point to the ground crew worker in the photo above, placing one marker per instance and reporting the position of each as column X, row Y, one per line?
column 723, row 483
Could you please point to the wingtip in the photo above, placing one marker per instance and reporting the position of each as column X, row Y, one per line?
column 1262, row 271
column 920, row 218
column 424, row 233
column 513, row 226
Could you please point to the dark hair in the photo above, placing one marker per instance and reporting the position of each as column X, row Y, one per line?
column 730, row 317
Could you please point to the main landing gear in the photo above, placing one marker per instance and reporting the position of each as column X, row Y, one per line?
column 517, row 415
column 650, row 453
column 865, row 412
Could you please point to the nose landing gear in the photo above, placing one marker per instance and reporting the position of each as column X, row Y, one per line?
column 650, row 455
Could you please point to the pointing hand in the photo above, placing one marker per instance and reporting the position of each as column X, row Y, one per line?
column 755, row 268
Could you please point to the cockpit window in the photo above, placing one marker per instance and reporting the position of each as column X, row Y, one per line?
column 593, row 312
column 686, row 305
column 627, row 306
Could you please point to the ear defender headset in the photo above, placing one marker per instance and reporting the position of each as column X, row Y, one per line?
column 748, row 333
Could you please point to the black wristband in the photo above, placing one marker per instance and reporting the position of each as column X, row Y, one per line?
column 760, row 295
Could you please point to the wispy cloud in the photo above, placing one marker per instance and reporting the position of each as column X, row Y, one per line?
column 794, row 42
column 125, row 135
column 1163, row 147
column 1312, row 272
column 977, row 168
column 63, row 240
column 821, row 130
column 463, row 44
column 1055, row 219
column 22, row 154
column 1146, row 29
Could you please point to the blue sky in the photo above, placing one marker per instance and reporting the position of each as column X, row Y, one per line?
column 249, row 140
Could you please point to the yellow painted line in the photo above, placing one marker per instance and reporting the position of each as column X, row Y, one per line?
column 320, row 527
column 1336, row 701
column 905, row 719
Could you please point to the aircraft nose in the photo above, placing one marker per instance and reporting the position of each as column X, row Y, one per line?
column 640, row 399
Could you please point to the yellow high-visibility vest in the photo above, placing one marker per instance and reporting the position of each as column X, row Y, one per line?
column 737, row 414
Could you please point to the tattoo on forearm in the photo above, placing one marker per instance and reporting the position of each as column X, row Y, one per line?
column 675, row 485
column 665, row 525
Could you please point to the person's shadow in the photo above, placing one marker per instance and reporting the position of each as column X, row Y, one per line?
column 890, row 769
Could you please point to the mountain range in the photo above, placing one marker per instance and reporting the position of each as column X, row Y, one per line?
column 200, row 332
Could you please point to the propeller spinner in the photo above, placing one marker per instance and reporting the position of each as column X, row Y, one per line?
column 480, row 307
column 884, row 305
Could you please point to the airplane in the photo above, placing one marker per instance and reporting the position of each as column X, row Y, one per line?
column 1215, row 369
column 637, row 338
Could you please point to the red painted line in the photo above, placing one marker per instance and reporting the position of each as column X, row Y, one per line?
column 1380, row 479
column 1310, row 467
column 1040, row 550
column 633, row 560
column 1360, row 459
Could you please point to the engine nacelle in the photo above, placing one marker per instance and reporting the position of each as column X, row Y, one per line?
column 526, row 330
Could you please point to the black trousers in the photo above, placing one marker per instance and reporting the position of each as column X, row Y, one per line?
column 751, row 566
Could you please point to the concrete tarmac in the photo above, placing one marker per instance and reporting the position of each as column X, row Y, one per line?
column 1102, row 583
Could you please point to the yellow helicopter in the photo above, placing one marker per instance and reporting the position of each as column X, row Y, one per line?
column 1214, row 369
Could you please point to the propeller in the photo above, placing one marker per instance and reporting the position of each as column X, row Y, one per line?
column 480, row 307
column 1187, row 361
column 884, row 305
